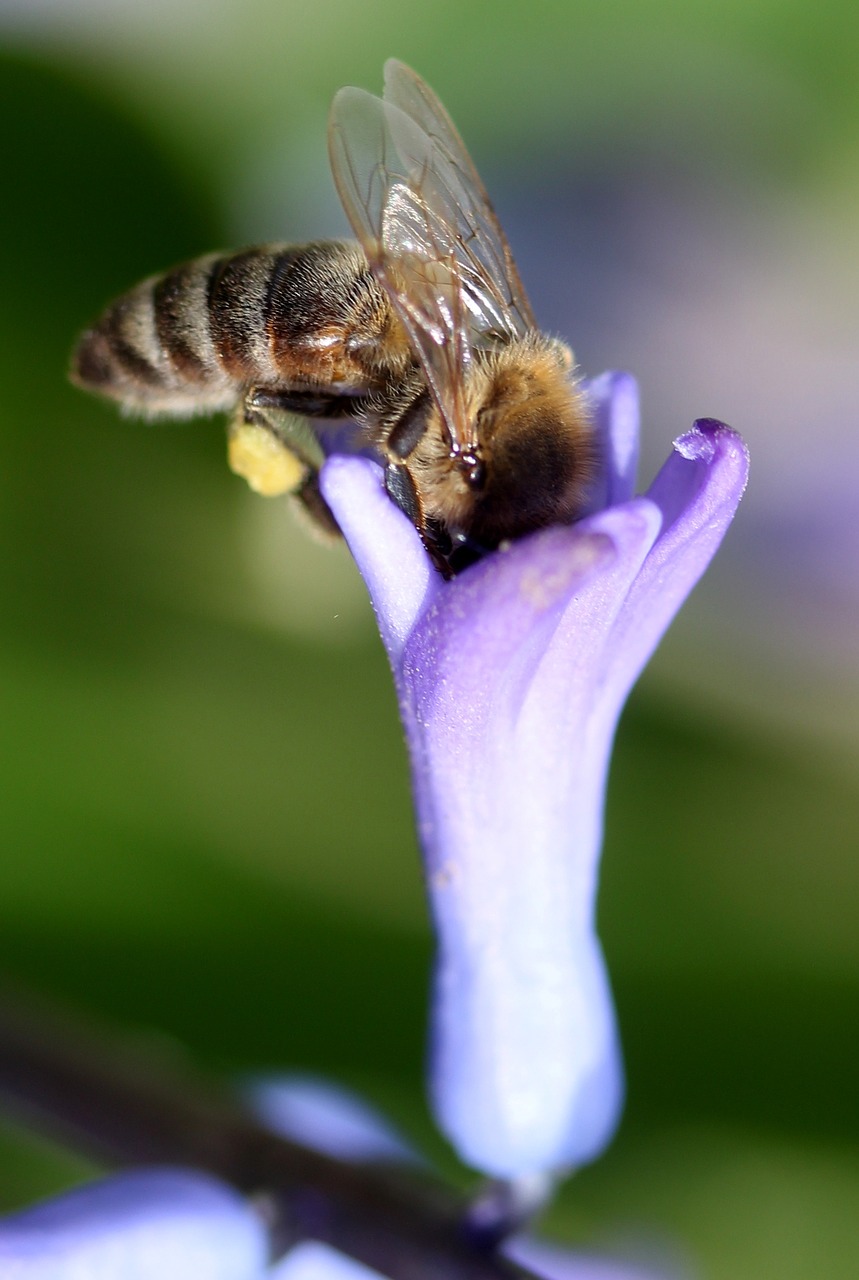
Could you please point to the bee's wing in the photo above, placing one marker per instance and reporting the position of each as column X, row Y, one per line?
column 484, row 244
column 429, row 233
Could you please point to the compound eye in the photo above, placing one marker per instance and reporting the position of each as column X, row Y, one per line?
column 472, row 468
column 476, row 475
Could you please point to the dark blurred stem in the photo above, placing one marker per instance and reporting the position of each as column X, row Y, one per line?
column 503, row 1207
column 123, row 1108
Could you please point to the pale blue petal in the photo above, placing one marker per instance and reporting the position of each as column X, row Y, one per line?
column 327, row 1118
column 396, row 568
column 146, row 1224
column 614, row 405
column 314, row 1261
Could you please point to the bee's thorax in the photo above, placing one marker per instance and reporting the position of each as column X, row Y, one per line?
column 531, row 458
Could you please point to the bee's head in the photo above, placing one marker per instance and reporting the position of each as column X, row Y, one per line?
column 533, row 457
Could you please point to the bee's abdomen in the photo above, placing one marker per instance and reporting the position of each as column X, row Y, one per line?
column 192, row 339
column 152, row 349
column 238, row 310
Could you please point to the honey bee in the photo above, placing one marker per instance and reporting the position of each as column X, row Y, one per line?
column 420, row 332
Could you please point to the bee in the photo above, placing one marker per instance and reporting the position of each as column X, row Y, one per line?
column 420, row 332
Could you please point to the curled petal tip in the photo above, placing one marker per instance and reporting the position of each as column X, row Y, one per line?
column 706, row 473
column 699, row 444
column 707, row 438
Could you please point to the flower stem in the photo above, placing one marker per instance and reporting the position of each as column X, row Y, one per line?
column 113, row 1103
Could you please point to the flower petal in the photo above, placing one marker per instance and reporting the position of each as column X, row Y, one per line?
column 509, row 772
column 392, row 559
column 314, row 1261
column 326, row 1118
column 697, row 491
column 614, row 405
column 145, row 1224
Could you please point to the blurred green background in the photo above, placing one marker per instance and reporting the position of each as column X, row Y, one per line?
column 205, row 830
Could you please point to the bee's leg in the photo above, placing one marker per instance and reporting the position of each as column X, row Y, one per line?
column 277, row 451
column 310, row 404
column 273, row 450
column 401, row 489
column 464, row 551
column 285, row 412
column 312, row 505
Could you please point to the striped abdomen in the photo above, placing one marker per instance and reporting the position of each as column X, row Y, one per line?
column 194, row 339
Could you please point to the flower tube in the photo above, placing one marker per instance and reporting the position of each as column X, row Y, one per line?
column 511, row 678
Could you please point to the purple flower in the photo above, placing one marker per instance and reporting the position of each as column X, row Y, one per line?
column 148, row 1224
column 161, row 1224
column 174, row 1224
column 510, row 679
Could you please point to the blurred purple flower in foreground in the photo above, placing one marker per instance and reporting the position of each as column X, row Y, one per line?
column 179, row 1224
column 511, row 678
column 167, row 1224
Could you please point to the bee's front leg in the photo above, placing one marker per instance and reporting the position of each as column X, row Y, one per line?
column 273, row 446
column 403, row 492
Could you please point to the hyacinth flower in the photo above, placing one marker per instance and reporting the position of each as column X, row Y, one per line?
column 511, row 677
column 176, row 1223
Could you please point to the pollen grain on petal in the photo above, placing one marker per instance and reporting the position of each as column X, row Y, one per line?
column 542, row 586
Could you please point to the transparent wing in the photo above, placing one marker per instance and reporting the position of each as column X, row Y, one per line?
column 484, row 244
column 425, row 223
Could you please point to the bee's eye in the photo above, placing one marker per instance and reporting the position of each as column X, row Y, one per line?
column 476, row 474
column 472, row 468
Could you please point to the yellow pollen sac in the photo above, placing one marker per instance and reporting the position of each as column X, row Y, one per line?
column 257, row 455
